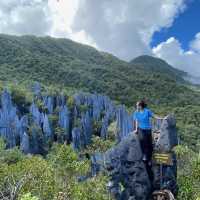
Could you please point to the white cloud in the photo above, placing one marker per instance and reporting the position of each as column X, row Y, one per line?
column 195, row 44
column 125, row 27
column 24, row 17
column 63, row 13
column 41, row 17
column 172, row 52
column 122, row 27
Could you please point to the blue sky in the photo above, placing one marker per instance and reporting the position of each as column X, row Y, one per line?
column 184, row 28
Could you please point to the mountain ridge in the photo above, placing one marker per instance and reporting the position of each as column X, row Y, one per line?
column 155, row 64
column 65, row 63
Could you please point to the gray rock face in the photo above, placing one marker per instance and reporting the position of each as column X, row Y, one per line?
column 76, row 139
column 8, row 119
column 126, row 168
column 165, row 176
column 124, row 123
column 168, row 136
column 46, row 127
column 64, row 120
column 50, row 119
column 25, row 145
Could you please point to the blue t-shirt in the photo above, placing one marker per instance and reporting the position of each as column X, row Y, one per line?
column 143, row 118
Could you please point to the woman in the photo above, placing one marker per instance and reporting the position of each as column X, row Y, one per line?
column 142, row 123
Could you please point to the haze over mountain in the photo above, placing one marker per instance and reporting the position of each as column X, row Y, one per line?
column 64, row 63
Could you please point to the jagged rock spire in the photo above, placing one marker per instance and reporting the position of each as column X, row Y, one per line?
column 124, row 123
column 168, row 135
column 25, row 143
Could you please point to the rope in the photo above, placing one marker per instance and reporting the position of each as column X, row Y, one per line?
column 171, row 196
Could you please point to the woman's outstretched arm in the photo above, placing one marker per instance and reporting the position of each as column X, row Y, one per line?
column 159, row 117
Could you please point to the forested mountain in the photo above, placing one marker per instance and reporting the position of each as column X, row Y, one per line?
column 152, row 65
column 64, row 63
column 61, row 66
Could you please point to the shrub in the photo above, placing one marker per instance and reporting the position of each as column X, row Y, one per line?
column 32, row 174
column 11, row 156
column 2, row 144
column 98, row 145
column 28, row 196
column 63, row 158
column 92, row 189
column 188, row 173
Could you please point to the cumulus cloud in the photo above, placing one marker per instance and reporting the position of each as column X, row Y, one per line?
column 122, row 27
column 62, row 13
column 41, row 17
column 172, row 52
column 24, row 17
column 195, row 44
column 125, row 27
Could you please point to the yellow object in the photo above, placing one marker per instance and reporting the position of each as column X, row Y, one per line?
column 163, row 158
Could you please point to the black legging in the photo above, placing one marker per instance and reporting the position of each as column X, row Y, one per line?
column 145, row 138
column 146, row 142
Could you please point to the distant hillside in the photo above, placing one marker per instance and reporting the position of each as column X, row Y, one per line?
column 153, row 64
column 64, row 63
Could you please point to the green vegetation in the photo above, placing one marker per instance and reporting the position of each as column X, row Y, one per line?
column 152, row 65
column 63, row 63
column 65, row 66
column 28, row 196
column 188, row 173
column 54, row 178
column 188, row 123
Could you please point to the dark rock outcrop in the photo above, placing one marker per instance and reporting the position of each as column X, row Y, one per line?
column 168, row 136
column 128, row 176
column 165, row 176
column 127, row 171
